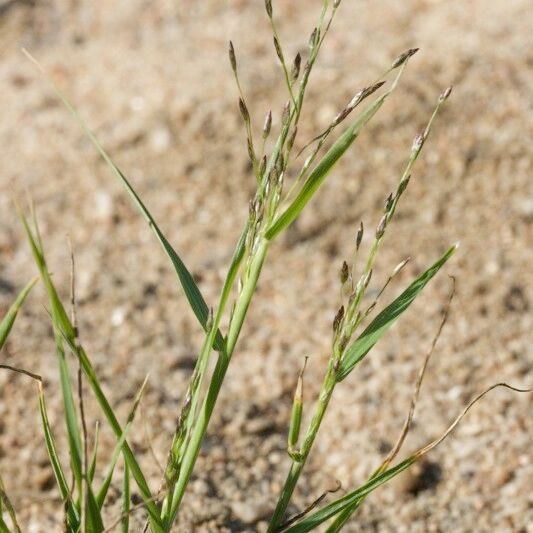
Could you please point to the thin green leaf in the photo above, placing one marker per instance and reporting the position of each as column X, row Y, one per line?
column 9, row 319
column 94, row 517
column 125, row 523
column 71, row 416
column 3, row 525
column 314, row 520
column 192, row 292
column 5, row 502
column 72, row 513
column 100, row 498
column 60, row 321
column 92, row 465
column 66, row 328
column 384, row 320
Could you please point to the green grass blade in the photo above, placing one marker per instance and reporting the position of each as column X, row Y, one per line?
column 3, row 525
column 102, row 493
column 9, row 319
column 92, row 464
column 192, row 292
column 5, row 502
column 125, row 523
column 71, row 415
column 94, row 517
column 384, row 320
column 115, row 426
column 314, row 520
column 62, row 321
column 72, row 512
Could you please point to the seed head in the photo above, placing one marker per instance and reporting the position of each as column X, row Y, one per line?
column 292, row 138
column 267, row 125
column 286, row 112
column 278, row 49
column 418, row 142
column 336, row 4
column 341, row 116
column 344, row 273
column 402, row 58
column 250, row 148
column 367, row 279
column 445, row 94
column 244, row 111
column 280, row 164
column 296, row 67
column 268, row 7
column 359, row 236
column 262, row 165
column 403, row 185
column 399, row 267
column 381, row 226
column 338, row 319
column 388, row 203
column 251, row 208
column 343, row 343
column 364, row 93
column 314, row 37
column 232, row 58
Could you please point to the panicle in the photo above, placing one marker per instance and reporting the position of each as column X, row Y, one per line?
column 338, row 319
column 267, row 125
column 344, row 273
column 359, row 236
column 402, row 58
column 381, row 226
column 232, row 58
column 445, row 94
column 268, row 7
column 295, row 72
column 244, row 111
column 286, row 112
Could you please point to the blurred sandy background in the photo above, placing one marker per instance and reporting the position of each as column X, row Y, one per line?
column 152, row 79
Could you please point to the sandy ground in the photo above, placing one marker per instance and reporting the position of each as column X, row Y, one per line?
column 152, row 79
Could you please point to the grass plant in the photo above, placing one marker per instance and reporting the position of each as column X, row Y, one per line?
column 271, row 211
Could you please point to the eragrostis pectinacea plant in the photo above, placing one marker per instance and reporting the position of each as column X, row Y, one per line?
column 272, row 209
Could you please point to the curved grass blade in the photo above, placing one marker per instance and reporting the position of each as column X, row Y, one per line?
column 9, row 319
column 72, row 512
column 63, row 323
column 384, row 320
column 71, row 415
column 3, row 525
column 102, row 493
column 192, row 292
column 59, row 320
column 92, row 465
column 5, row 502
column 347, row 501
